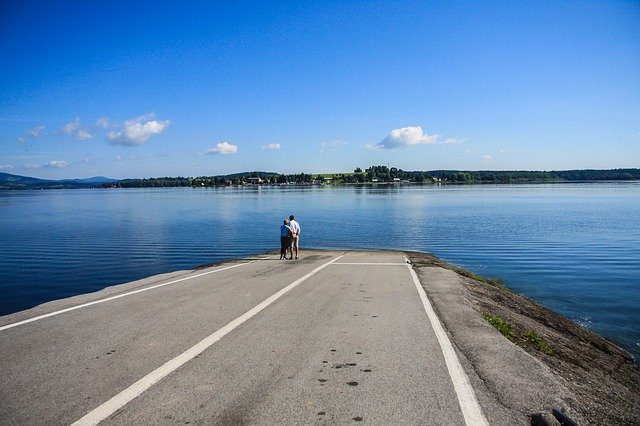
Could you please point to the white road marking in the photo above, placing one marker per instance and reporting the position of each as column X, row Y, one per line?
column 466, row 396
column 95, row 302
column 120, row 400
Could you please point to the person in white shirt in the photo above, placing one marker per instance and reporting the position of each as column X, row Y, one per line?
column 295, row 232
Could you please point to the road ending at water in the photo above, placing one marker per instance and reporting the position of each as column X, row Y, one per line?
column 283, row 351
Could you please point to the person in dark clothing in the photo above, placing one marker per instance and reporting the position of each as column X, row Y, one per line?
column 285, row 240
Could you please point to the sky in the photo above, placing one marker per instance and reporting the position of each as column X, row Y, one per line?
column 151, row 89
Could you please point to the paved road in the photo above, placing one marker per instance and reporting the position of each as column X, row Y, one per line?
column 332, row 337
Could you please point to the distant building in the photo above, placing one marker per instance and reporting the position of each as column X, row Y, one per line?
column 254, row 180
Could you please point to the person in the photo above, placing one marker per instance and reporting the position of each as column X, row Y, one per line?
column 295, row 235
column 285, row 239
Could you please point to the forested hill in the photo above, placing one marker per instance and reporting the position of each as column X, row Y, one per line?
column 9, row 181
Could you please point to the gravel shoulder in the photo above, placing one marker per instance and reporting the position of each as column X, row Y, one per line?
column 539, row 360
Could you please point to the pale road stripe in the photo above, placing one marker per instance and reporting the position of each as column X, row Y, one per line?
column 466, row 396
column 120, row 400
column 95, row 302
column 370, row 264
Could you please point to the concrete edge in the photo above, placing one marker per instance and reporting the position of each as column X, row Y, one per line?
column 512, row 386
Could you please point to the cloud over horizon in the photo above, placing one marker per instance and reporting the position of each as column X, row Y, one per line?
column 405, row 136
column 137, row 131
column 223, row 148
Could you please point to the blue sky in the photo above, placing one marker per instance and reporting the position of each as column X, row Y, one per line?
column 149, row 89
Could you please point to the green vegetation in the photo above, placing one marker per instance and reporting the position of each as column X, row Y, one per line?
column 501, row 325
column 521, row 339
column 539, row 342
column 384, row 175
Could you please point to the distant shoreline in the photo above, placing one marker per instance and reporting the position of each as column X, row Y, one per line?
column 375, row 175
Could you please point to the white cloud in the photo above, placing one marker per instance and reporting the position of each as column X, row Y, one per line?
column 6, row 167
column 21, row 140
column 137, row 131
column 223, row 148
column 485, row 157
column 102, row 122
column 332, row 145
column 56, row 164
column 72, row 126
column 272, row 146
column 83, row 135
column 37, row 131
column 405, row 136
column 53, row 164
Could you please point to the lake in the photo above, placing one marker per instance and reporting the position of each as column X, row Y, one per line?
column 572, row 247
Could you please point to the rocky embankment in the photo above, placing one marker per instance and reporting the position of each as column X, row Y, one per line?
column 541, row 361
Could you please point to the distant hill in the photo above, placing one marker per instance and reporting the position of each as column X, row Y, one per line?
column 9, row 181
column 91, row 180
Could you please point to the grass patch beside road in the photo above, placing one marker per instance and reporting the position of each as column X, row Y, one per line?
column 520, row 339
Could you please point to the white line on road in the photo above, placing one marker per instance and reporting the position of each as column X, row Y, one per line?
column 95, row 302
column 120, row 400
column 466, row 396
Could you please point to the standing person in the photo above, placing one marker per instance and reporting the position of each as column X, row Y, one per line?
column 285, row 239
column 295, row 234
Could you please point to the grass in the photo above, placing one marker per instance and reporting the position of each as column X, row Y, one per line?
column 501, row 325
column 539, row 342
column 524, row 339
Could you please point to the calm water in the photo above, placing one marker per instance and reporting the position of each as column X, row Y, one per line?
column 573, row 247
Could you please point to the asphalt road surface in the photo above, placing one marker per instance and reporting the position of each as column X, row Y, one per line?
column 330, row 338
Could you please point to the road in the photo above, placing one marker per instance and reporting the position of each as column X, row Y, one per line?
column 332, row 338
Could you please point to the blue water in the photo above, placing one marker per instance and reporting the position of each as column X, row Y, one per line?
column 572, row 247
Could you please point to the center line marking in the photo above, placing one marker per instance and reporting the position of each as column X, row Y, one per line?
column 120, row 400
column 95, row 302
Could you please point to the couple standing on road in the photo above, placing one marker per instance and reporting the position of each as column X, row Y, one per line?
column 289, row 236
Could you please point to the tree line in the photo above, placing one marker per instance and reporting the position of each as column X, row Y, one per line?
column 384, row 174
